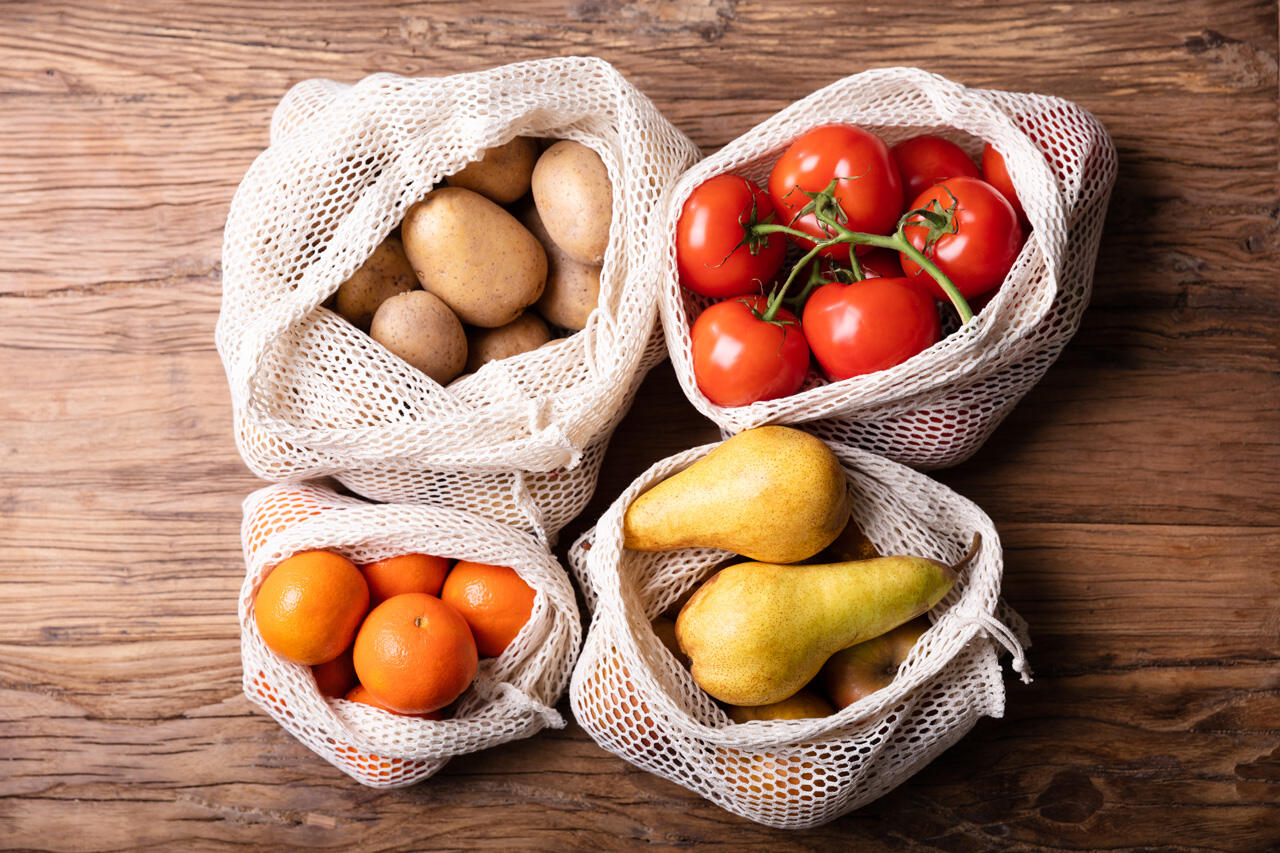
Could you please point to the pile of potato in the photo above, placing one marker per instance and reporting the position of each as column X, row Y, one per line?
column 483, row 264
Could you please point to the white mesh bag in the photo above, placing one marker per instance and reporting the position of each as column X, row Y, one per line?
column 636, row 700
column 314, row 396
column 512, row 696
column 937, row 408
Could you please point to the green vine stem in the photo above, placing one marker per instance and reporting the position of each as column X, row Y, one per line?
column 939, row 220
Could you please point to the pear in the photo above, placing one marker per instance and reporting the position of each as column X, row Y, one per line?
column 756, row 633
column 851, row 544
column 771, row 493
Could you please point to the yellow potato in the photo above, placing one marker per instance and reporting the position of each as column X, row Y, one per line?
column 574, row 196
column 502, row 174
column 383, row 275
column 474, row 255
column 420, row 328
column 526, row 332
column 573, row 288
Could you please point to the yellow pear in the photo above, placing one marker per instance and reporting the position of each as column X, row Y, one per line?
column 772, row 493
column 851, row 544
column 755, row 633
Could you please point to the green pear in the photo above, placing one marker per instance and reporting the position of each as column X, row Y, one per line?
column 771, row 493
column 758, row 632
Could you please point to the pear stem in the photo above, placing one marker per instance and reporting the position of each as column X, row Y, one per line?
column 973, row 552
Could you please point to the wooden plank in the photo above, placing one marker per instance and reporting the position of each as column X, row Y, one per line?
column 1079, row 424
column 1117, row 766
column 1164, row 447
column 110, row 114
column 1134, row 488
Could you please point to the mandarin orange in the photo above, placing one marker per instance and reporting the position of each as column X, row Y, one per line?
column 495, row 601
column 415, row 653
column 335, row 677
column 309, row 607
column 361, row 694
column 405, row 573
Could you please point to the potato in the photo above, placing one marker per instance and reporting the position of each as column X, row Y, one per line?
column 383, row 275
column 502, row 174
column 474, row 255
column 573, row 288
column 420, row 328
column 526, row 332
column 574, row 196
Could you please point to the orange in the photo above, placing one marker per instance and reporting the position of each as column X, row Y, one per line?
column 361, row 694
column 415, row 653
column 405, row 573
column 278, row 510
column 310, row 606
column 335, row 677
column 494, row 600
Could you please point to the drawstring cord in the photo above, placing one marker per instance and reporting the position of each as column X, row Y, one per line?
column 1005, row 636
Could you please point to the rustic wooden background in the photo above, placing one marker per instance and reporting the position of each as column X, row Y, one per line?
column 1135, row 487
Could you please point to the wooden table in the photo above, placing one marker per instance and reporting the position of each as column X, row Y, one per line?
column 1135, row 488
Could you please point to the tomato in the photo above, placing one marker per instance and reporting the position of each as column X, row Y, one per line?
column 739, row 359
column 880, row 263
column 715, row 254
column 869, row 190
column 995, row 173
column 984, row 246
column 924, row 160
column 869, row 325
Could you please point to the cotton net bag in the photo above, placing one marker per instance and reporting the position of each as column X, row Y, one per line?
column 513, row 695
column 937, row 408
column 314, row 396
column 636, row 700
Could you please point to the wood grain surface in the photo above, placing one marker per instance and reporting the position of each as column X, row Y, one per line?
column 1136, row 487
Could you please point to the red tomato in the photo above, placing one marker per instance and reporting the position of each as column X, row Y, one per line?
column 987, row 239
column 880, row 263
column 869, row 325
column 925, row 160
column 995, row 173
column 715, row 254
column 869, row 192
column 739, row 359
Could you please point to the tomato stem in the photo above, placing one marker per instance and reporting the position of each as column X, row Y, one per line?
column 855, row 266
column 897, row 242
column 814, row 281
column 953, row 293
column 775, row 301
column 774, row 228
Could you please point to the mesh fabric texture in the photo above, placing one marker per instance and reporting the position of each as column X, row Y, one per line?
column 937, row 408
column 512, row 696
column 635, row 699
column 314, row 396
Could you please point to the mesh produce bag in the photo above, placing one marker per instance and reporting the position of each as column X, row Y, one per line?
column 539, row 501
column 512, row 696
column 937, row 408
column 312, row 395
column 635, row 699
